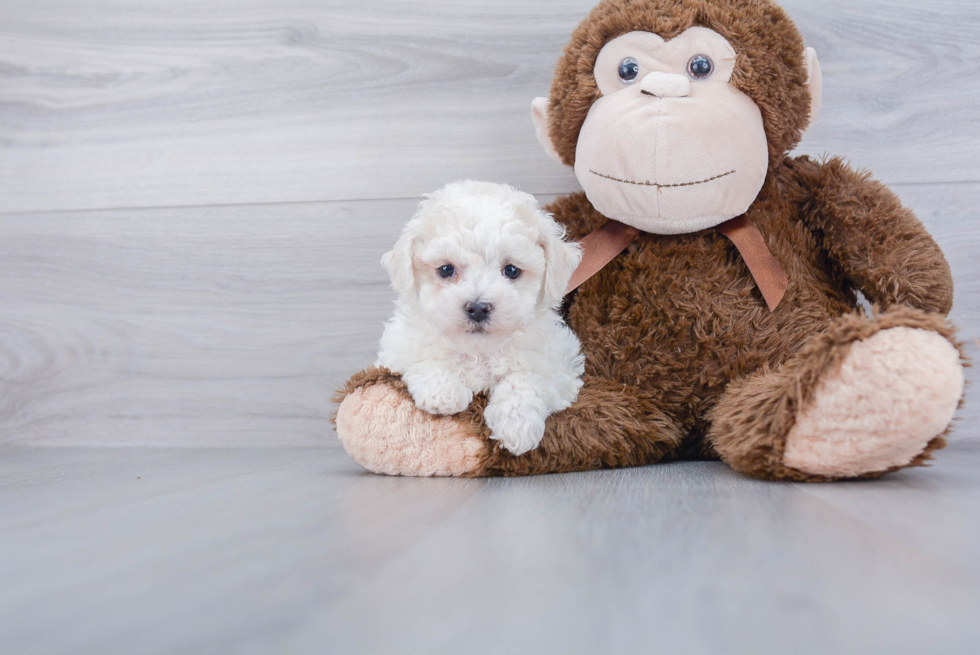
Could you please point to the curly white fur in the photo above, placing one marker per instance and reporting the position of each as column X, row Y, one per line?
column 522, row 354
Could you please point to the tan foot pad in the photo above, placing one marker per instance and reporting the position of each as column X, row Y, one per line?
column 894, row 393
column 385, row 432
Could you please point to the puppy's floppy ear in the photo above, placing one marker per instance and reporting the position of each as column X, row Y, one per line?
column 399, row 262
column 561, row 259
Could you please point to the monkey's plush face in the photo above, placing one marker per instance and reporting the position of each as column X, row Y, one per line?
column 671, row 147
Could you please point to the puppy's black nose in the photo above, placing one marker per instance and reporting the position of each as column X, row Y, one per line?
column 478, row 311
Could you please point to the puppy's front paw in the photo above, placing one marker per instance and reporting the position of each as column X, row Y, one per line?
column 438, row 394
column 518, row 427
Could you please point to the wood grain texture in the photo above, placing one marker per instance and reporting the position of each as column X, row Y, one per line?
column 232, row 326
column 178, row 103
column 226, row 325
column 294, row 550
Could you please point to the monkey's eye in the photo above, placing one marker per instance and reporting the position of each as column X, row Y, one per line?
column 447, row 271
column 629, row 69
column 700, row 67
column 512, row 271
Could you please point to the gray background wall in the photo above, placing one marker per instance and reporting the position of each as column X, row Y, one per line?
column 194, row 195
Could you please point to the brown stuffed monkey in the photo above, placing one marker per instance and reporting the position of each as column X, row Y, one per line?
column 729, row 326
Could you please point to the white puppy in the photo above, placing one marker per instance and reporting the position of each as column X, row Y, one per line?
column 480, row 270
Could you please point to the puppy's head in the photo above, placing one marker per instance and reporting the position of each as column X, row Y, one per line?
column 481, row 259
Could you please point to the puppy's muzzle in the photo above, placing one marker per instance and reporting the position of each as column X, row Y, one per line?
column 478, row 312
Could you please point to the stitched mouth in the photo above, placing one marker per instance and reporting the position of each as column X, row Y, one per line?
column 663, row 186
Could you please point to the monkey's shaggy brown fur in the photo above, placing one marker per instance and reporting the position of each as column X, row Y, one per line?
column 682, row 355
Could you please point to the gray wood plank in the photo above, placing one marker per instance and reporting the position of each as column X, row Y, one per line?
column 164, row 103
column 228, row 325
column 232, row 326
column 896, row 75
column 137, row 550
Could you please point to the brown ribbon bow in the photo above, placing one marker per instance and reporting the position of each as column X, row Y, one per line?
column 602, row 246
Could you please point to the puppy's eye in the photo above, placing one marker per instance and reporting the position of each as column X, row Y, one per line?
column 700, row 67
column 629, row 69
column 512, row 271
column 447, row 271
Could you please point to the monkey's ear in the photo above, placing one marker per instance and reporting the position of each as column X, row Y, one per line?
column 815, row 83
column 539, row 114
column 399, row 263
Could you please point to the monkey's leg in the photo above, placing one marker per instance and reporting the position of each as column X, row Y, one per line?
column 609, row 426
column 866, row 397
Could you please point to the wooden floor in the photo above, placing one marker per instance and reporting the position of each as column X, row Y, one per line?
column 295, row 550
column 194, row 197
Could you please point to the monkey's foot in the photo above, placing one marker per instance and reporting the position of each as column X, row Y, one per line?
column 894, row 393
column 383, row 431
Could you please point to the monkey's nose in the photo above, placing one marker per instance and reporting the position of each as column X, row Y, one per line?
column 478, row 312
column 665, row 85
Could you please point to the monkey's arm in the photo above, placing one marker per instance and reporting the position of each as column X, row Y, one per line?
column 879, row 244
